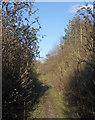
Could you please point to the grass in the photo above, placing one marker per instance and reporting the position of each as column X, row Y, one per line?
column 62, row 109
column 40, row 111
column 57, row 99
column 57, row 102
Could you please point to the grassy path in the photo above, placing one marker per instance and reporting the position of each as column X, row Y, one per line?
column 51, row 104
column 50, row 111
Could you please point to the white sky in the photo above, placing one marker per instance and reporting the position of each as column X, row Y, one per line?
column 77, row 7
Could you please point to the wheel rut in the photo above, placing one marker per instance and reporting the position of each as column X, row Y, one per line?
column 50, row 111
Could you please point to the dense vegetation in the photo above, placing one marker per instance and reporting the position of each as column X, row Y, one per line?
column 21, row 88
column 68, row 72
column 71, row 65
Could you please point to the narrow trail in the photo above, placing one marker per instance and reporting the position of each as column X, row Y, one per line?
column 50, row 111
column 51, row 103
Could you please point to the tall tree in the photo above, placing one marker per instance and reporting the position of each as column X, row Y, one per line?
column 19, row 48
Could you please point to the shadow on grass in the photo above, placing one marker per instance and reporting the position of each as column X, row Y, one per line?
column 19, row 100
